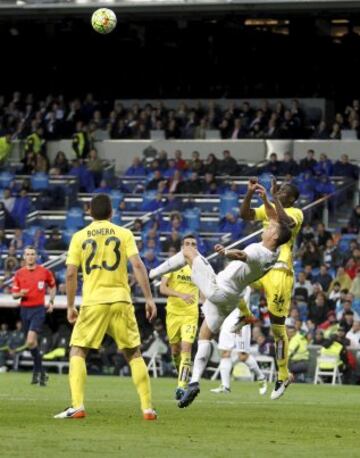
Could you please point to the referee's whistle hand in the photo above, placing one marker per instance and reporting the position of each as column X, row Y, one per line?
column 151, row 310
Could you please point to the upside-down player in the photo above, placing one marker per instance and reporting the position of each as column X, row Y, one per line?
column 182, row 315
column 102, row 250
column 224, row 290
column 278, row 282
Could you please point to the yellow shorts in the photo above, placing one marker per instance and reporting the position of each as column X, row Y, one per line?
column 117, row 320
column 278, row 286
column 181, row 328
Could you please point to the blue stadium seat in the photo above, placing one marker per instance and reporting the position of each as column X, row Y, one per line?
column 75, row 218
column 228, row 201
column 116, row 217
column 67, row 234
column 148, row 197
column 116, row 197
column 6, row 179
column 344, row 242
column 40, row 181
column 192, row 218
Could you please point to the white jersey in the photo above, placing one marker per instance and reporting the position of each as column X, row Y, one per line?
column 237, row 275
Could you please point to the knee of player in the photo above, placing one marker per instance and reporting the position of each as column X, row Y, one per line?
column 31, row 343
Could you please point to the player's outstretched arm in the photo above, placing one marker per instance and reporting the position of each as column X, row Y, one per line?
column 269, row 209
column 234, row 255
column 141, row 276
column 246, row 212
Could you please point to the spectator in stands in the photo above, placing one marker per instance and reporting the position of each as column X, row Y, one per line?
column 228, row 165
column 180, row 162
column 95, row 166
column 347, row 320
column 310, row 254
column 321, row 132
column 303, row 287
column 41, row 164
column 193, row 185
column 239, row 130
column 354, row 336
column 29, row 163
column 196, row 164
column 154, row 182
column 355, row 287
column 4, row 338
column 172, row 242
column 351, row 268
column 150, row 260
column 8, row 200
column 61, row 163
column 343, row 278
column 211, row 164
column 175, row 182
column 209, row 185
column 9, row 222
column 322, row 235
column 273, row 165
column 344, row 168
column 331, row 255
column 233, row 225
column 35, row 142
column 319, row 338
column 319, row 309
column 163, row 161
column 290, row 126
column 335, row 291
column 324, row 166
column 354, row 221
column 104, row 188
column 298, row 353
column 324, row 278
column 289, row 166
column 335, row 133
column 136, row 169
column 80, row 141
column 55, row 241
column 200, row 130
column 152, row 205
column 330, row 325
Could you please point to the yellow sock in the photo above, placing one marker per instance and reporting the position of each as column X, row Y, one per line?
column 141, row 381
column 184, row 370
column 176, row 360
column 77, row 378
column 281, row 345
column 244, row 309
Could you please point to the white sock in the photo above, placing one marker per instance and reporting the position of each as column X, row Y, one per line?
column 201, row 360
column 254, row 367
column 170, row 265
column 225, row 371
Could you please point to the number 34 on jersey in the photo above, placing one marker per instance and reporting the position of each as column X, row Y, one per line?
column 102, row 250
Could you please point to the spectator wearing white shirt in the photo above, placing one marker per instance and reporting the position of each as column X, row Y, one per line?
column 303, row 284
column 354, row 336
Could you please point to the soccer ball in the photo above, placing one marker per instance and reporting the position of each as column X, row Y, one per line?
column 103, row 20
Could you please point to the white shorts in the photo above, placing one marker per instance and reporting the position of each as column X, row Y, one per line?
column 219, row 302
column 229, row 340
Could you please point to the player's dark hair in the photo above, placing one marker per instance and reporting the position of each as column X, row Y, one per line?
column 100, row 207
column 188, row 236
column 293, row 191
column 284, row 233
column 30, row 247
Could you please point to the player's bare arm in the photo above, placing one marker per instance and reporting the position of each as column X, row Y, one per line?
column 246, row 212
column 71, row 287
column 284, row 217
column 269, row 209
column 143, row 281
column 233, row 254
column 166, row 291
column 50, row 305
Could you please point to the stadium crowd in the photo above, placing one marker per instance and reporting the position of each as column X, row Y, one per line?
column 54, row 117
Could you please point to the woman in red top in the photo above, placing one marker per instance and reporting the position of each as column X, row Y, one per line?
column 29, row 286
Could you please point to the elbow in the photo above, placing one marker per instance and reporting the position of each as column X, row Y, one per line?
column 162, row 290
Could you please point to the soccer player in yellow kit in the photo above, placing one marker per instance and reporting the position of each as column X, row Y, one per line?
column 102, row 250
column 279, row 281
column 182, row 315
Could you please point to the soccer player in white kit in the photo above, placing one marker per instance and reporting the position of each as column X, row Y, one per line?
column 224, row 290
column 231, row 342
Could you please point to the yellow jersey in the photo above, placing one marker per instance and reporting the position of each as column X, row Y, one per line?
column 286, row 250
column 180, row 281
column 102, row 250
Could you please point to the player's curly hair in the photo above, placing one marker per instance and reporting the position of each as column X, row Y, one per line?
column 101, row 207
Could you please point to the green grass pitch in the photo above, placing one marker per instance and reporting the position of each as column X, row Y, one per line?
column 309, row 421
